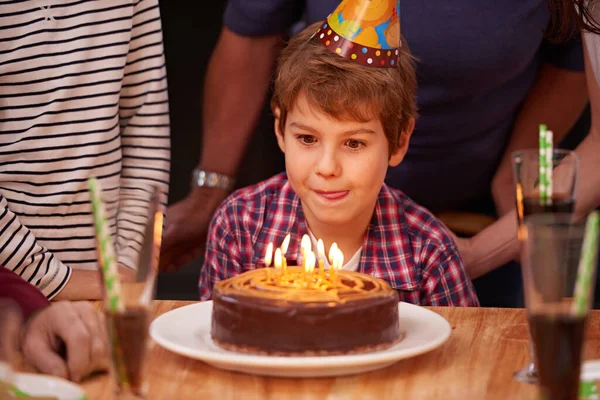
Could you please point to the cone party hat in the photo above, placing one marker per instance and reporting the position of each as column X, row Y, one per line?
column 364, row 31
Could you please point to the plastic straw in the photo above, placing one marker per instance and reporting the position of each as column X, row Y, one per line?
column 587, row 264
column 545, row 165
column 106, row 253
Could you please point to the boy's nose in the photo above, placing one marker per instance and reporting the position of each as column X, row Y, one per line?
column 328, row 164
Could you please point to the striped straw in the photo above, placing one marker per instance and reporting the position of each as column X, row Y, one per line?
column 587, row 264
column 545, row 165
column 106, row 253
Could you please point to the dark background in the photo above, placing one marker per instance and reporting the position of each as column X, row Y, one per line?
column 190, row 34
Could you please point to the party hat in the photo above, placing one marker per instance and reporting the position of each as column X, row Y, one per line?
column 364, row 31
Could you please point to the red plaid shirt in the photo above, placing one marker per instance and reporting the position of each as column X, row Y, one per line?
column 404, row 245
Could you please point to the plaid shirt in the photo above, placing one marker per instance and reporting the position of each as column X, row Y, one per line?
column 404, row 245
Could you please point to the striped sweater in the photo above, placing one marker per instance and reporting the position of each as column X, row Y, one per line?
column 83, row 92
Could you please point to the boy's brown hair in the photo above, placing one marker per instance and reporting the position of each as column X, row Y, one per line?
column 344, row 89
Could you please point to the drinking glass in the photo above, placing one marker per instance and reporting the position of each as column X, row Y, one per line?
column 526, row 171
column 550, row 256
column 128, row 328
column 565, row 166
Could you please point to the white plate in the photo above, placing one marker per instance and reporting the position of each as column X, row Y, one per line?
column 44, row 385
column 41, row 385
column 186, row 331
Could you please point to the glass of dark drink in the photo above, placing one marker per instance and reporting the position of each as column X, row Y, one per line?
column 128, row 326
column 550, row 257
column 526, row 168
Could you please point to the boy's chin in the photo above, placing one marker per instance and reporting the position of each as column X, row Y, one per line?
column 334, row 220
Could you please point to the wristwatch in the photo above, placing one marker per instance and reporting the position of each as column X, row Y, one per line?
column 209, row 179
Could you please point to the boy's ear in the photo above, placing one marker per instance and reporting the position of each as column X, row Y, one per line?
column 398, row 155
column 278, row 132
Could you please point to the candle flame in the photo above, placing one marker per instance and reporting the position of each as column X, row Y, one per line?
column 269, row 255
column 278, row 259
column 310, row 262
column 332, row 251
column 305, row 244
column 338, row 261
column 321, row 249
column 285, row 244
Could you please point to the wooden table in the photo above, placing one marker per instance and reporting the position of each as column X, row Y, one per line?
column 486, row 346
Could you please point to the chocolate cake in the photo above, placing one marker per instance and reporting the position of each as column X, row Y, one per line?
column 294, row 313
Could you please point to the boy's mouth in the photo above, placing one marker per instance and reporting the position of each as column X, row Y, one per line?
column 332, row 195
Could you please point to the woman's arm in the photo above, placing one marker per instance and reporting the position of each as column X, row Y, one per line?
column 498, row 244
column 557, row 99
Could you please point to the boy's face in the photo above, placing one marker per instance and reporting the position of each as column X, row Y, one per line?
column 336, row 167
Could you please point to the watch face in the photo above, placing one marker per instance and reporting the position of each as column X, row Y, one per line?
column 213, row 180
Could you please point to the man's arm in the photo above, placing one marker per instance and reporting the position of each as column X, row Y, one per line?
column 498, row 244
column 236, row 86
column 588, row 184
column 237, row 82
column 557, row 99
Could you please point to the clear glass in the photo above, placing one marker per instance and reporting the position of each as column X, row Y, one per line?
column 550, row 254
column 564, row 181
column 128, row 328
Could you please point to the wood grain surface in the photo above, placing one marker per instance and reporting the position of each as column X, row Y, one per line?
column 486, row 346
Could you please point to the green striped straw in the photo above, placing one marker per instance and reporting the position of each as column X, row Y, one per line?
column 545, row 165
column 587, row 264
column 106, row 252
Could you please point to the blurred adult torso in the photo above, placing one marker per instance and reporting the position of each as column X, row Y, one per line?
column 476, row 62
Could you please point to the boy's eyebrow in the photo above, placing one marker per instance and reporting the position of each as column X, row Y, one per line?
column 303, row 127
column 359, row 130
column 347, row 133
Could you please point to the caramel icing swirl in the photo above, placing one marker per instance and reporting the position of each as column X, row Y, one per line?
column 295, row 285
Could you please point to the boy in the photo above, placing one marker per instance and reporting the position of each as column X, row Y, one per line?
column 83, row 93
column 342, row 116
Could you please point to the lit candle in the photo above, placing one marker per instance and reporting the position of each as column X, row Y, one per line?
column 268, row 260
column 284, row 249
column 332, row 251
column 321, row 252
column 278, row 260
column 305, row 246
column 338, row 261
column 269, row 255
column 309, row 266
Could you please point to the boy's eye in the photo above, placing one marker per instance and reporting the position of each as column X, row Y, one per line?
column 307, row 139
column 355, row 144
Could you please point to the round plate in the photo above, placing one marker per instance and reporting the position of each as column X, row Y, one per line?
column 45, row 385
column 186, row 331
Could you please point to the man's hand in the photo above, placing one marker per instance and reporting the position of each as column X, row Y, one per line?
column 73, row 328
column 187, row 224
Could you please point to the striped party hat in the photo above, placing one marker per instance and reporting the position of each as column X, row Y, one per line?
column 364, row 31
